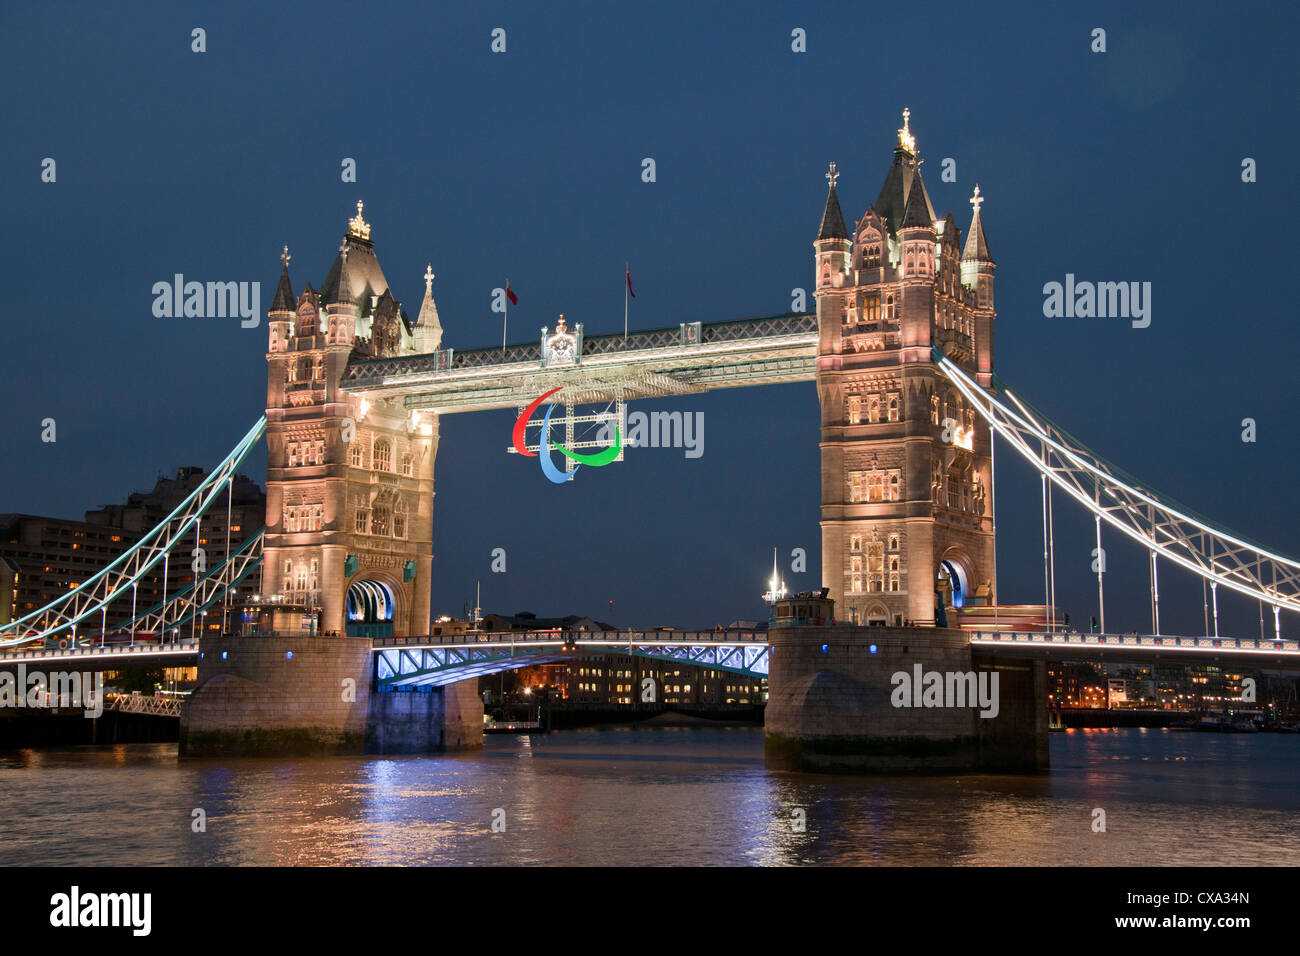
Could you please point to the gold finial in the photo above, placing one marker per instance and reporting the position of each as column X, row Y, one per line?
column 832, row 175
column 559, row 325
column 357, row 226
column 285, row 257
column 905, row 138
column 428, row 279
column 976, row 199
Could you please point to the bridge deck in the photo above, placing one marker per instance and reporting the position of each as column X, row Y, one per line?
column 684, row 359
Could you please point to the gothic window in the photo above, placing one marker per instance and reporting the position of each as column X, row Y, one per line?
column 320, row 451
column 288, row 574
column 383, row 455
column 318, row 370
column 294, row 461
column 399, row 519
column 855, row 564
column 893, row 582
column 356, row 455
column 855, row 542
column 893, row 408
column 893, row 565
column 363, row 521
column 300, row 583
column 893, row 542
column 851, row 313
column 857, row 583
column 911, row 265
column 313, row 580
column 873, row 409
column 826, row 271
column 379, row 521
column 304, row 369
column 889, row 308
column 875, row 486
column 408, row 464
column 871, row 308
column 893, row 488
column 855, row 409
column 855, row 486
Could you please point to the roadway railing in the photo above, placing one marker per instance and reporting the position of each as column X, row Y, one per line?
column 1133, row 641
column 179, row 648
column 674, row 638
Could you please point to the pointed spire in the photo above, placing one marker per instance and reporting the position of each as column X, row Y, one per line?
column 918, row 211
column 341, row 292
column 428, row 328
column 283, row 301
column 832, row 217
column 977, row 247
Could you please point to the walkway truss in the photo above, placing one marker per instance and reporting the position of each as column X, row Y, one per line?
column 412, row 662
column 1113, row 497
column 119, row 580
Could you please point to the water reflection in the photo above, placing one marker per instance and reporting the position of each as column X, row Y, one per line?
column 661, row 796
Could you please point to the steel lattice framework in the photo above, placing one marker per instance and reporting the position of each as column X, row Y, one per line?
column 433, row 662
column 685, row 359
column 180, row 608
column 1173, row 533
column 115, row 581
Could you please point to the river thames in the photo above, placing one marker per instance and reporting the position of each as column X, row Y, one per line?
column 655, row 796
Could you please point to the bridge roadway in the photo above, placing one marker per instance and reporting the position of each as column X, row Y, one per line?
column 445, row 659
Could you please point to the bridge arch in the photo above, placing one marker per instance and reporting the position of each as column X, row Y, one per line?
column 371, row 607
column 953, row 578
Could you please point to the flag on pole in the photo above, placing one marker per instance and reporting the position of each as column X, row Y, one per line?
column 514, row 299
column 629, row 284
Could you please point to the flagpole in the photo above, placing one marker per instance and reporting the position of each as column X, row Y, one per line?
column 627, row 285
column 505, row 317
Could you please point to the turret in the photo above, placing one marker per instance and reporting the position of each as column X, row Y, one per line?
column 977, row 274
column 280, row 315
column 833, row 264
column 428, row 329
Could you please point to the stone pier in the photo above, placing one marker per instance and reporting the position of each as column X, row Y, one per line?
column 303, row 696
column 831, row 704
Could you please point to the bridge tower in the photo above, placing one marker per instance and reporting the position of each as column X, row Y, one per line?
column 906, row 473
column 349, row 505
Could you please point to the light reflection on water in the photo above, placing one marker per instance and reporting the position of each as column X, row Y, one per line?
column 655, row 796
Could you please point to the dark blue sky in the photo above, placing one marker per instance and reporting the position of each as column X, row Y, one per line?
column 1116, row 166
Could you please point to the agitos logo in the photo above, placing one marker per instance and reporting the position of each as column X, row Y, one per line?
column 544, row 444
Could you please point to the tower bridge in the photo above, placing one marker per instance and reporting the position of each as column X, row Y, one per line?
column 901, row 350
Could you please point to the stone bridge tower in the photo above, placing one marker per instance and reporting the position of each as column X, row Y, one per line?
column 906, row 475
column 349, row 506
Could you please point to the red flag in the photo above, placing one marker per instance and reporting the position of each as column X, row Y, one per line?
column 514, row 299
column 629, row 285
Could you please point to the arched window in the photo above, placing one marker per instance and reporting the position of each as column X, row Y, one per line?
column 408, row 464
column 893, row 409
column 380, row 521
column 304, row 370
column 383, row 455
column 356, row 455
column 399, row 519
column 288, row 574
column 893, row 488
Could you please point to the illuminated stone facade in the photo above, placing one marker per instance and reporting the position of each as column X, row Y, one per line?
column 349, row 508
column 906, row 474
